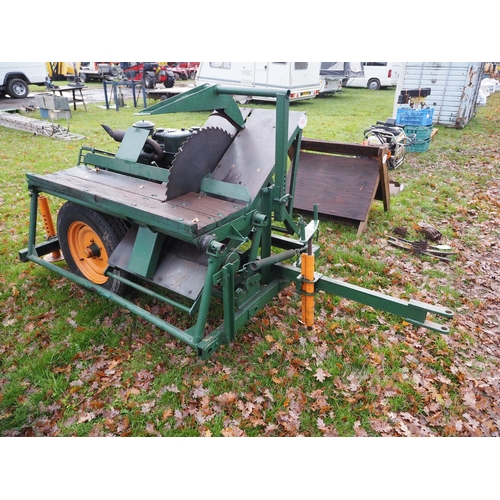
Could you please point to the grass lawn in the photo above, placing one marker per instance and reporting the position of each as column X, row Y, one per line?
column 75, row 364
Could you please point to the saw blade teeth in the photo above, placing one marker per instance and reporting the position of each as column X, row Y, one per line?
column 197, row 156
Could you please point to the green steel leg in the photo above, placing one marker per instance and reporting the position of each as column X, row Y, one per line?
column 228, row 301
column 198, row 330
column 242, row 315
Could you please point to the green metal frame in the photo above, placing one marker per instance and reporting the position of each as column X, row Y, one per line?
column 243, row 268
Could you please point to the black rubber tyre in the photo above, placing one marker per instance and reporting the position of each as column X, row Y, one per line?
column 373, row 84
column 17, row 88
column 149, row 81
column 169, row 82
column 87, row 239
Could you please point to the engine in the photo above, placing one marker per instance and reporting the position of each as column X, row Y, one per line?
column 161, row 145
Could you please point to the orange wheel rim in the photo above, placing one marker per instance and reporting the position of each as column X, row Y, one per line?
column 88, row 252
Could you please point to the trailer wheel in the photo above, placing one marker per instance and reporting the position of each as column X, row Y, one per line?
column 87, row 239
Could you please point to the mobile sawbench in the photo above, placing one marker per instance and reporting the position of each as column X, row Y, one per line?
column 195, row 217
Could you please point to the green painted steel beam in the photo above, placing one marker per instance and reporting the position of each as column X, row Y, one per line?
column 145, row 252
column 226, row 189
column 220, row 336
column 127, row 167
column 203, row 98
column 117, row 299
column 413, row 311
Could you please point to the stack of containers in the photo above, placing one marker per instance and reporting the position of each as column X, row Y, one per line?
column 416, row 117
column 52, row 106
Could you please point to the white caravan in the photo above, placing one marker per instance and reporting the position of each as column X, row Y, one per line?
column 300, row 78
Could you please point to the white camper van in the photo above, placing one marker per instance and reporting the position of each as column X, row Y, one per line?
column 15, row 77
column 376, row 75
column 300, row 78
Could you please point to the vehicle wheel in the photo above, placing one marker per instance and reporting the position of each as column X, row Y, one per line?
column 17, row 88
column 87, row 239
column 169, row 82
column 150, row 82
column 373, row 84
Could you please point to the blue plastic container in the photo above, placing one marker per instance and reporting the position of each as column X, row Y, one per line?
column 416, row 117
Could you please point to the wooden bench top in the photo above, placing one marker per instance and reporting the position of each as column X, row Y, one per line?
column 125, row 196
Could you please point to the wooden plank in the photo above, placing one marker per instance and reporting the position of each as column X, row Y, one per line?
column 358, row 151
column 383, row 192
column 115, row 194
column 364, row 223
column 114, row 180
column 340, row 148
column 340, row 186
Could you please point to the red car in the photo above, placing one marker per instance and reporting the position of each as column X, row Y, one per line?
column 151, row 72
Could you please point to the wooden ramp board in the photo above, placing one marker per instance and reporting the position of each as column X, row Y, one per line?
column 343, row 186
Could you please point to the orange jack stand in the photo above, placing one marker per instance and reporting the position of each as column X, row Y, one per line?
column 47, row 222
column 308, row 289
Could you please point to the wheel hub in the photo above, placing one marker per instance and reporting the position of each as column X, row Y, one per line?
column 88, row 252
column 92, row 251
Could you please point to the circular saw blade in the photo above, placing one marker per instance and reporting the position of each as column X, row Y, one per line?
column 198, row 156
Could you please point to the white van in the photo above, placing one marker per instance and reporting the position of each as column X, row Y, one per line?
column 376, row 75
column 300, row 78
column 15, row 77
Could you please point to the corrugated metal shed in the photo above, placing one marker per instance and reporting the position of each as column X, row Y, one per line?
column 454, row 89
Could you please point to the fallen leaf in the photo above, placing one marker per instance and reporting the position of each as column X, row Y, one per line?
column 321, row 375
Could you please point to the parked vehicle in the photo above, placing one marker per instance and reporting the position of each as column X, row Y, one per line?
column 300, row 78
column 377, row 75
column 334, row 75
column 99, row 71
column 16, row 76
column 151, row 72
column 62, row 70
column 179, row 73
column 190, row 67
